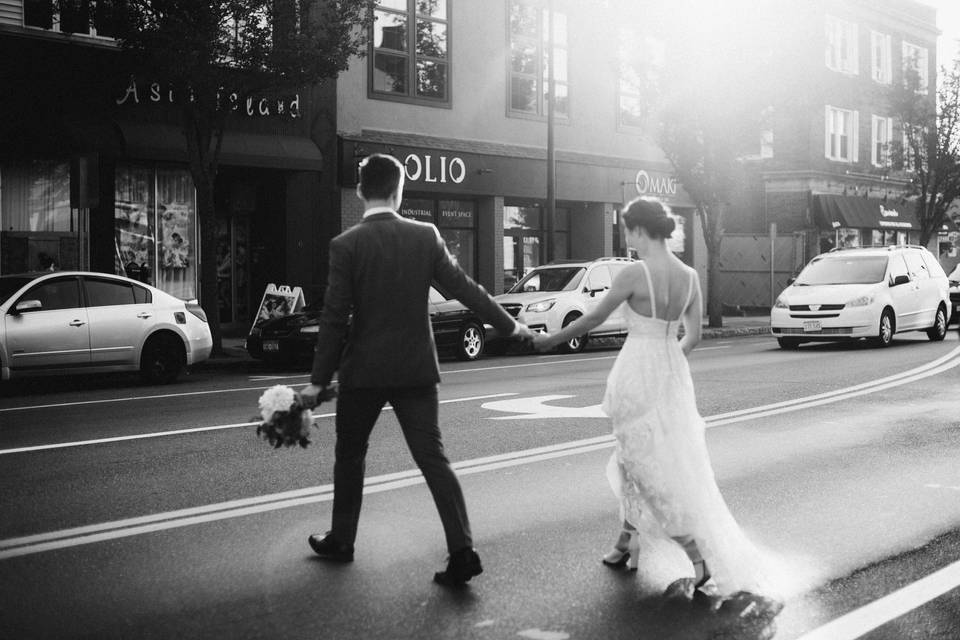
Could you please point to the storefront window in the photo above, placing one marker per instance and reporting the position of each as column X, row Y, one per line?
column 39, row 229
column 457, row 222
column 155, row 228
column 848, row 238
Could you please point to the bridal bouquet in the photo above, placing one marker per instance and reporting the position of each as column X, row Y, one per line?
column 286, row 420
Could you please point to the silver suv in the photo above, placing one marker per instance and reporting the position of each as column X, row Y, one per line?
column 552, row 296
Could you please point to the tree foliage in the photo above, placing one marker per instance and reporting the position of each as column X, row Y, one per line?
column 219, row 53
column 930, row 148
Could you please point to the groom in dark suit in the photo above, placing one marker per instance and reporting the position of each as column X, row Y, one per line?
column 375, row 329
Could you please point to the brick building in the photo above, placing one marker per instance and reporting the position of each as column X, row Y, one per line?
column 826, row 174
column 94, row 171
column 457, row 91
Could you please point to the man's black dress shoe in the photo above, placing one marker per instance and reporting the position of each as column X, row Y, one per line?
column 329, row 548
column 463, row 565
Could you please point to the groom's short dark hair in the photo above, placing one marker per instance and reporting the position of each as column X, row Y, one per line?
column 380, row 176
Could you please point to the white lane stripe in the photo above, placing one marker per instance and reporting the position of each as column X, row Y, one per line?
column 159, row 434
column 890, row 607
column 911, row 373
column 75, row 536
column 305, row 376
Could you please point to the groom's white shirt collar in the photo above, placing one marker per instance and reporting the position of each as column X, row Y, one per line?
column 375, row 210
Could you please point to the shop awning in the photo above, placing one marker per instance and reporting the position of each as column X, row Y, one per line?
column 166, row 142
column 855, row 212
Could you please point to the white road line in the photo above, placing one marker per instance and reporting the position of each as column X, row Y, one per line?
column 711, row 348
column 25, row 545
column 876, row 614
column 237, row 425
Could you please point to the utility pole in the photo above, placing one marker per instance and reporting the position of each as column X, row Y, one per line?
column 551, row 151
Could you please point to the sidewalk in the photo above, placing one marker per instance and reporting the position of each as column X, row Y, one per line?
column 235, row 354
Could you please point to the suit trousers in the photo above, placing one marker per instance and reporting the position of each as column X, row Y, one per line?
column 416, row 410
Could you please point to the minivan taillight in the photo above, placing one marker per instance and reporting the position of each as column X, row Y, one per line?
column 194, row 307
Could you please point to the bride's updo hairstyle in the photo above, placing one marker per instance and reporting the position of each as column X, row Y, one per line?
column 652, row 215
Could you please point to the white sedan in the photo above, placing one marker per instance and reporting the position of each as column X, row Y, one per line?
column 85, row 322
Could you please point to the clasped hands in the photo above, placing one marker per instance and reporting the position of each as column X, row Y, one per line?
column 541, row 341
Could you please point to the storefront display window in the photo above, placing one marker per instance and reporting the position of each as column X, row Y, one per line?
column 848, row 238
column 155, row 228
column 457, row 222
column 40, row 231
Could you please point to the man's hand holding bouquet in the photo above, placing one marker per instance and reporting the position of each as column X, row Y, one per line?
column 286, row 416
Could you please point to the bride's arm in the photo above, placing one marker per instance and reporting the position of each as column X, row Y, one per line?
column 692, row 319
column 620, row 290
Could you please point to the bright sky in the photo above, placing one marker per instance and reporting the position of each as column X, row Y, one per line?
column 948, row 20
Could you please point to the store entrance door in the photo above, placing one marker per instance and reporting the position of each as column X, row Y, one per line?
column 522, row 251
column 233, row 282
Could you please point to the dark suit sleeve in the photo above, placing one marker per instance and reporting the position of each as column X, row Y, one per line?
column 448, row 274
column 335, row 316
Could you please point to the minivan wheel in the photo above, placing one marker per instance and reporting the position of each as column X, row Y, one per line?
column 885, row 331
column 938, row 331
column 162, row 359
column 470, row 346
column 573, row 345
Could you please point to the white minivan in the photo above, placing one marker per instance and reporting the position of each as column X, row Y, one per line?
column 863, row 293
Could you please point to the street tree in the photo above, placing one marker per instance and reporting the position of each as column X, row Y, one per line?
column 930, row 148
column 219, row 53
column 710, row 106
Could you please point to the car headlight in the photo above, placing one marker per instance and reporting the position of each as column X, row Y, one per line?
column 781, row 304
column 540, row 307
column 310, row 328
column 861, row 301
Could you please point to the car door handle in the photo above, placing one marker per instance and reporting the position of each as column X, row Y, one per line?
column 144, row 315
column 77, row 323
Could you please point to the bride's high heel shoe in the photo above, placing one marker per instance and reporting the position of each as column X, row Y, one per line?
column 625, row 552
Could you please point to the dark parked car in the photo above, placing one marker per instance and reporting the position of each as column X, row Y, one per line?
column 456, row 330
column 955, row 294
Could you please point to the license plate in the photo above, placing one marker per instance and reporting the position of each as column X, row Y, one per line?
column 811, row 325
column 271, row 345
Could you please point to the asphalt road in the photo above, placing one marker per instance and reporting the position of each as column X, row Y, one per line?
column 133, row 511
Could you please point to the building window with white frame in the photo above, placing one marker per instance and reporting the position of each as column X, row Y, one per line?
column 529, row 59
column 880, row 68
column 88, row 17
column 881, row 134
column 410, row 57
column 915, row 67
column 842, row 50
column 840, row 133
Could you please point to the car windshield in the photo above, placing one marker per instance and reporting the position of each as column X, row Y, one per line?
column 10, row 285
column 843, row 270
column 553, row 279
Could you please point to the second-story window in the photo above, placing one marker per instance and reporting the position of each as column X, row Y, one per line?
column 530, row 57
column 880, row 57
column 840, row 141
column 842, row 51
column 881, row 137
column 410, row 51
column 915, row 67
column 88, row 17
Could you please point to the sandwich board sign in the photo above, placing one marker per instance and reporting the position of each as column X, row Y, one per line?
column 279, row 301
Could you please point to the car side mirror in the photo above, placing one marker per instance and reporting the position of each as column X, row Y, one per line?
column 27, row 305
column 898, row 280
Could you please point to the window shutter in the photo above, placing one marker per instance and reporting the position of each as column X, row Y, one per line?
column 826, row 132
column 873, row 140
column 855, row 49
column 855, row 138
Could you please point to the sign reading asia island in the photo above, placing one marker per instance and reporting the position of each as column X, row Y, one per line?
column 251, row 106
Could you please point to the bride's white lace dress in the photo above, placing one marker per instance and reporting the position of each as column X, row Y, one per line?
column 661, row 470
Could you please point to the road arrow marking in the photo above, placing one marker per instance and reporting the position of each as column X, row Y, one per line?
column 536, row 408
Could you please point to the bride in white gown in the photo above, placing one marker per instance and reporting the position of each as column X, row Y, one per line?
column 661, row 470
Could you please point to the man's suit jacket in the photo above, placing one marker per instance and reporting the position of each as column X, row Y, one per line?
column 375, row 322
